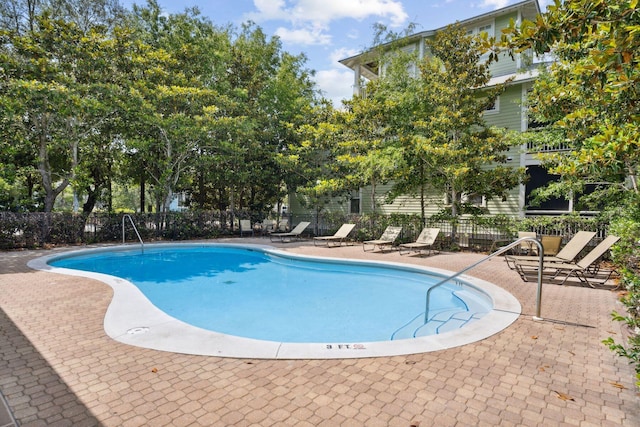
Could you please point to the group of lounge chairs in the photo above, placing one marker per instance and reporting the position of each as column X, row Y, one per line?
column 564, row 264
column 558, row 263
column 425, row 241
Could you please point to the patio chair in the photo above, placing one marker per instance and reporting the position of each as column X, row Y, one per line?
column 583, row 270
column 283, row 225
column 529, row 248
column 267, row 226
column 567, row 254
column 339, row 236
column 551, row 245
column 387, row 239
column 295, row 233
column 245, row 227
column 425, row 241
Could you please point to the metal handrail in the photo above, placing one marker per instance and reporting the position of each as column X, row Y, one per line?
column 134, row 229
column 498, row 252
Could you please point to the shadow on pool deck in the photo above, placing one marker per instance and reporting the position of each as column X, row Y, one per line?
column 57, row 365
column 35, row 390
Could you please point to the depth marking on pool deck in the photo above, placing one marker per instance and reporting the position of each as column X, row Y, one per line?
column 345, row 346
column 129, row 309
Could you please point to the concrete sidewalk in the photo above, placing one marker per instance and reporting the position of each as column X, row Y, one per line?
column 57, row 366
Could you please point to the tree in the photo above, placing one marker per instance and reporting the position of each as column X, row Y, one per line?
column 368, row 149
column 589, row 96
column 447, row 144
column 55, row 97
column 72, row 42
column 307, row 161
column 19, row 16
column 175, row 109
column 423, row 124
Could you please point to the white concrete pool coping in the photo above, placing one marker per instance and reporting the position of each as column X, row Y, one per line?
column 133, row 320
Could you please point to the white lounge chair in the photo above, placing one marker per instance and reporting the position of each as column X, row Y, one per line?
column 339, row 236
column 425, row 241
column 389, row 236
column 295, row 233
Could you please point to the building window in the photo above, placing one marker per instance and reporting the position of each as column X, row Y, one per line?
column 483, row 28
column 476, row 200
column 580, row 203
column 488, row 28
column 539, row 177
column 495, row 108
column 355, row 203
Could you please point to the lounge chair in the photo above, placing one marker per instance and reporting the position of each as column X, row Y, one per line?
column 245, row 227
column 295, row 233
column 584, row 269
column 568, row 253
column 425, row 240
column 339, row 236
column 388, row 237
column 529, row 248
column 283, row 225
column 551, row 245
column 266, row 226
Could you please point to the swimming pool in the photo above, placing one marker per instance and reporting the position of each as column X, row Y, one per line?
column 254, row 301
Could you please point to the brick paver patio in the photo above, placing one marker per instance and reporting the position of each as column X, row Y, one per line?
column 58, row 368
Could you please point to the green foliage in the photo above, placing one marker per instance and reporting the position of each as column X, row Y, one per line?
column 420, row 125
column 91, row 96
column 58, row 100
column 591, row 93
column 439, row 126
column 591, row 99
column 625, row 222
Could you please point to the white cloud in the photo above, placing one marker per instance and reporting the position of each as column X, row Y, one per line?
column 342, row 53
column 310, row 19
column 304, row 36
column 269, row 10
column 325, row 11
column 335, row 85
column 329, row 10
column 353, row 34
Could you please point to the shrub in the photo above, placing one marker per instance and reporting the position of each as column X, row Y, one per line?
column 625, row 223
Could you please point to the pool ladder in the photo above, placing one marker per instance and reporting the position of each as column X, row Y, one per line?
column 134, row 229
column 488, row 257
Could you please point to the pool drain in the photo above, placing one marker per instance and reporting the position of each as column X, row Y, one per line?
column 138, row 330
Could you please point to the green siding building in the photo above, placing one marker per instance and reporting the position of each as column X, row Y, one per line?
column 509, row 112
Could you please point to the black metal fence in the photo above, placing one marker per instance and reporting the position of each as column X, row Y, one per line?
column 31, row 230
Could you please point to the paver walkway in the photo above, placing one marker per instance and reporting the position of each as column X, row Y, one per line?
column 58, row 368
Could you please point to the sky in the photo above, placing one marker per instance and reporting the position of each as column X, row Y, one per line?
column 329, row 30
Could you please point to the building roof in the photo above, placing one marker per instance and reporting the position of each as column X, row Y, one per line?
column 368, row 67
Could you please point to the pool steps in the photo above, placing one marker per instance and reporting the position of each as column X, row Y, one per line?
column 444, row 320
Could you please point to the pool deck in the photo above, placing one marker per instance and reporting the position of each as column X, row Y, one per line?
column 59, row 368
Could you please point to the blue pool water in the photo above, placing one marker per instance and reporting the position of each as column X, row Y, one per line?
column 257, row 294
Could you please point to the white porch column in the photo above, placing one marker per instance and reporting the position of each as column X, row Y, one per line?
column 356, row 80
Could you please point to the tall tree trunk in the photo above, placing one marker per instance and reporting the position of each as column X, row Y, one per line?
column 142, row 193
column 51, row 192
column 423, row 215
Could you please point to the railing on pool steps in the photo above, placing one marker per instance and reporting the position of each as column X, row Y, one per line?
column 496, row 253
column 134, row 229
